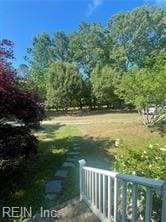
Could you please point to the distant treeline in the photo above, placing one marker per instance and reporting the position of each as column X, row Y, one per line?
column 96, row 65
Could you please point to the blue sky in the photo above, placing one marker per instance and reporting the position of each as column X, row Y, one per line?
column 20, row 20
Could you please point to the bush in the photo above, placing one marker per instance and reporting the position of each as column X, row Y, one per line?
column 9, row 174
column 148, row 163
column 16, row 142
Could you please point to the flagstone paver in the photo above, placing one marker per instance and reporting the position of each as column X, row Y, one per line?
column 50, row 196
column 68, row 164
column 76, row 144
column 53, row 186
column 74, row 153
column 61, row 173
column 71, row 159
column 76, row 148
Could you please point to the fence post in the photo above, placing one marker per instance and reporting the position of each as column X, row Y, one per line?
column 163, row 216
column 82, row 164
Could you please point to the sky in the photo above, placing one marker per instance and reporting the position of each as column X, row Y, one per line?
column 21, row 20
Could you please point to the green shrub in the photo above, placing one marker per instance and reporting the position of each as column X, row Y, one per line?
column 147, row 163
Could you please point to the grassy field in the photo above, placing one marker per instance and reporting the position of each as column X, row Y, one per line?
column 101, row 131
column 96, row 135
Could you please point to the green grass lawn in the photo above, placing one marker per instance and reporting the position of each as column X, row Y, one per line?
column 95, row 134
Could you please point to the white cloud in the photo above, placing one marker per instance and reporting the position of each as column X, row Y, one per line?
column 93, row 4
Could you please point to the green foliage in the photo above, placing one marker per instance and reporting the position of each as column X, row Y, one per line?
column 40, row 53
column 40, row 56
column 143, row 87
column 103, row 84
column 131, row 42
column 89, row 46
column 38, row 77
column 64, row 85
column 61, row 50
column 137, row 33
column 148, row 163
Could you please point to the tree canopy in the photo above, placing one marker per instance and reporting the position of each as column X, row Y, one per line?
column 145, row 87
column 132, row 43
column 64, row 85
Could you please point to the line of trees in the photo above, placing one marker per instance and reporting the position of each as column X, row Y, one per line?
column 117, row 65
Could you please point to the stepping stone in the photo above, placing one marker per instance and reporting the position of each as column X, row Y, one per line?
column 71, row 159
column 50, row 196
column 53, row 186
column 76, row 144
column 61, row 173
column 75, row 157
column 74, row 153
column 50, row 204
column 76, row 148
column 68, row 164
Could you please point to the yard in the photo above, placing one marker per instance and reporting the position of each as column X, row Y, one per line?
column 96, row 134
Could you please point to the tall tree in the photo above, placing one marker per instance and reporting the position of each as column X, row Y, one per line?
column 145, row 88
column 136, row 34
column 40, row 53
column 89, row 46
column 40, row 56
column 64, row 85
column 61, row 50
column 103, row 85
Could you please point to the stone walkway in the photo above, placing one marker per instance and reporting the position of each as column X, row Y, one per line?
column 54, row 186
column 70, row 211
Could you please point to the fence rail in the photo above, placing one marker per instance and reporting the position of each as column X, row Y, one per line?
column 115, row 197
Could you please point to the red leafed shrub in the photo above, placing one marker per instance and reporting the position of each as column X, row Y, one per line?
column 20, row 104
column 16, row 141
column 15, row 102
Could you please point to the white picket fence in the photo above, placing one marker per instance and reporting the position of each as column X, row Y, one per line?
column 114, row 197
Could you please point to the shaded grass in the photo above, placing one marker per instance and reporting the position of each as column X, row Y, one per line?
column 55, row 143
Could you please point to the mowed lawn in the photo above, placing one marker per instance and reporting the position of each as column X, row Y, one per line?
column 96, row 135
column 102, row 129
